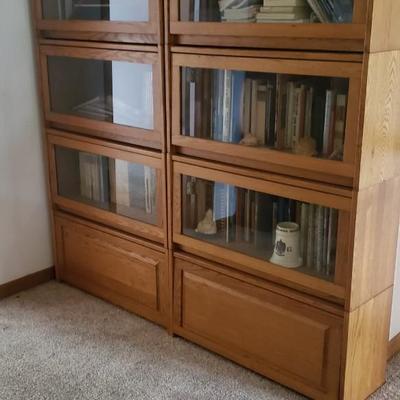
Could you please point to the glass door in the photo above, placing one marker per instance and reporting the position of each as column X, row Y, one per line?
column 113, row 94
column 119, row 187
column 121, row 20
column 271, row 24
column 268, row 227
column 260, row 112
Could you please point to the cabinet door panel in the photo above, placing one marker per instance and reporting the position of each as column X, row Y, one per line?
column 108, row 93
column 269, row 331
column 125, row 273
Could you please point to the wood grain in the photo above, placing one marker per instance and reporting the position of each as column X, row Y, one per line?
column 365, row 354
column 127, row 274
column 293, row 342
column 380, row 147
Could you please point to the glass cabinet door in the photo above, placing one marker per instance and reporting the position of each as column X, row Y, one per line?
column 96, row 10
column 302, row 24
column 266, row 11
column 265, row 226
column 109, row 92
column 245, row 111
column 292, row 113
column 115, row 186
column 134, row 21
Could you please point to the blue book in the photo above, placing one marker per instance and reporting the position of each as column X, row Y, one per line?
column 238, row 78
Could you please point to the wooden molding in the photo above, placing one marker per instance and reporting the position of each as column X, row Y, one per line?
column 394, row 346
column 26, row 282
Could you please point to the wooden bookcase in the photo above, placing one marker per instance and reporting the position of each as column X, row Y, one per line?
column 171, row 217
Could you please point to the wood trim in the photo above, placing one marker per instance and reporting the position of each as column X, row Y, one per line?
column 27, row 282
column 394, row 346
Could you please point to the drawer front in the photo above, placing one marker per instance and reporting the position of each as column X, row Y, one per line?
column 286, row 340
column 116, row 269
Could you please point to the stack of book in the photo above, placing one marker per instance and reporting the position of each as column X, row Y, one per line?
column 284, row 11
column 239, row 10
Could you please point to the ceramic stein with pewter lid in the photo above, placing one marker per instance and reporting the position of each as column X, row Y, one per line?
column 287, row 245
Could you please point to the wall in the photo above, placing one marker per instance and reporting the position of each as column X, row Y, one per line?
column 25, row 240
column 395, row 325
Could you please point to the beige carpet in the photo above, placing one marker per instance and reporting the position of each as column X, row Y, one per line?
column 59, row 343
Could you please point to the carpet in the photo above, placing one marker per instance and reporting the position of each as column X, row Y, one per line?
column 58, row 343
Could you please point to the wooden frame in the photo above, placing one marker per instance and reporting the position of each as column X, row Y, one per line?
column 151, row 138
column 150, row 32
column 339, row 37
column 155, row 232
column 342, row 173
column 334, row 291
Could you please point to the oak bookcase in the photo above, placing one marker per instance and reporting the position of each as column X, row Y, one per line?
column 176, row 144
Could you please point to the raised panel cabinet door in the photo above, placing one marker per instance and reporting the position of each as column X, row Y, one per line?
column 118, row 186
column 112, row 20
column 107, row 93
column 313, row 24
column 273, row 229
column 295, row 344
column 269, row 113
column 125, row 273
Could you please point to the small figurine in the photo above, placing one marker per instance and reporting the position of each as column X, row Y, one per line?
column 306, row 146
column 249, row 140
column 207, row 225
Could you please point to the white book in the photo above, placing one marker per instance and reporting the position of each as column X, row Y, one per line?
column 227, row 100
column 192, row 109
column 282, row 21
column 196, row 11
column 283, row 9
column 284, row 16
column 285, row 3
column 122, row 197
column 148, row 189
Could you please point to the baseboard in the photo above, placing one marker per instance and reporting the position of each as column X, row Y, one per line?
column 27, row 282
column 394, row 346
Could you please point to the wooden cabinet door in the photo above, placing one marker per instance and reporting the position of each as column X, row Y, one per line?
column 112, row 267
column 293, row 343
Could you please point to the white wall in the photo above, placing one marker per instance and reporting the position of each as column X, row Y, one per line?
column 25, row 240
column 395, row 325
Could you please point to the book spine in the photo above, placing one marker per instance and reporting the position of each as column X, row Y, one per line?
column 192, row 108
column 148, row 189
column 227, row 99
column 310, row 237
column 304, row 220
column 318, row 237
column 327, row 122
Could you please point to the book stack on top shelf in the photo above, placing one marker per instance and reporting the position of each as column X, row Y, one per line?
column 304, row 11
column 281, row 11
